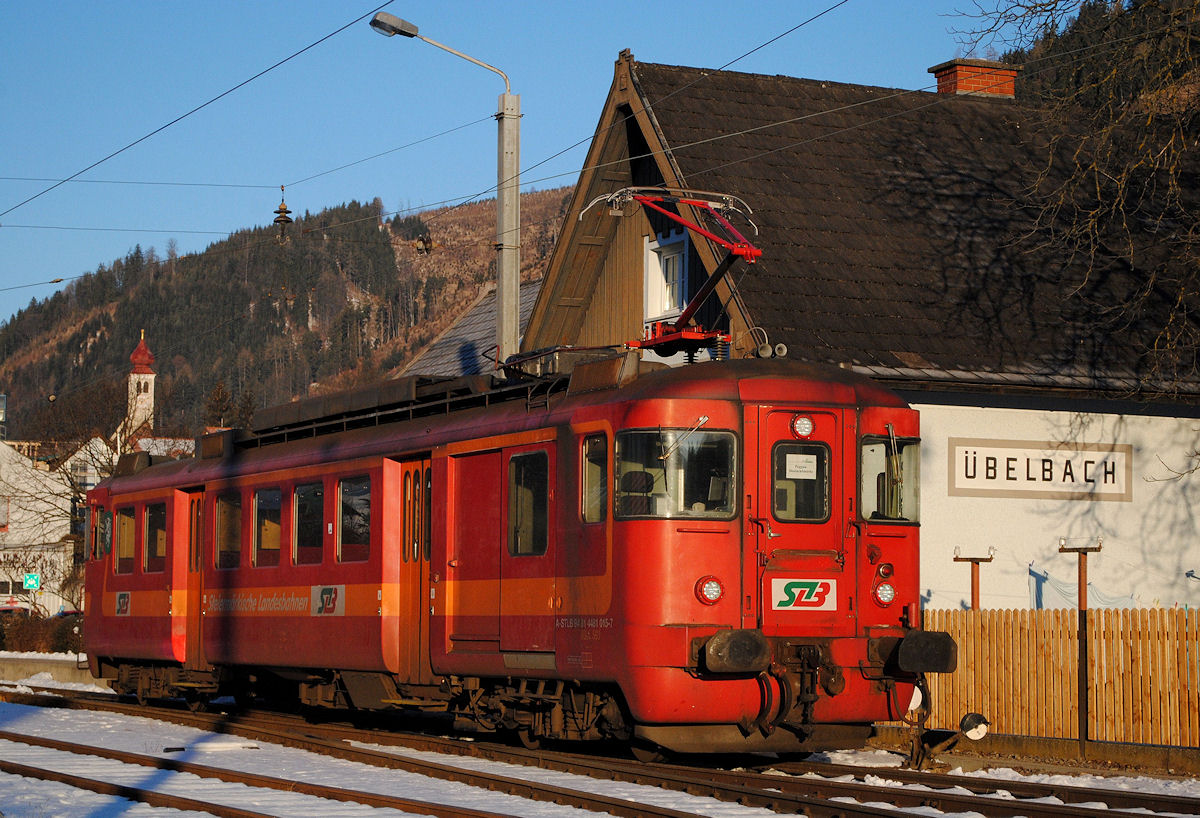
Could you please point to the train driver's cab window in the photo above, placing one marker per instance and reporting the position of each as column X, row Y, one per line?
column 676, row 473
column 124, row 537
column 268, row 513
column 308, row 506
column 229, row 530
column 800, row 482
column 154, row 531
column 528, row 504
column 594, row 480
column 354, row 528
column 890, row 479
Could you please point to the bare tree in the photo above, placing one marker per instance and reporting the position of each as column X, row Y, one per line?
column 44, row 483
column 1117, row 83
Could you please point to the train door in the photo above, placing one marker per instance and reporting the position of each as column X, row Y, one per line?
column 527, row 583
column 194, row 658
column 797, row 521
column 473, row 542
column 413, row 570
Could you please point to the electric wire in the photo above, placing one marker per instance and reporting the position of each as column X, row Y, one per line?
column 683, row 88
column 133, row 182
column 200, row 107
column 454, row 202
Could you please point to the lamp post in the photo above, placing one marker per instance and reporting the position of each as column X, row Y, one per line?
column 508, row 201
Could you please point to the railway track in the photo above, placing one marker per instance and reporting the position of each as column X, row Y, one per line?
column 797, row 788
column 115, row 779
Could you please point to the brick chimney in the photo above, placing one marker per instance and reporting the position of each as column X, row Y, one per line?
column 983, row 78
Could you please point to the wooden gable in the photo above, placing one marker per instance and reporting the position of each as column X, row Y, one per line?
column 592, row 294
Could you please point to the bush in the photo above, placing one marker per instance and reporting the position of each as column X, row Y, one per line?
column 56, row 634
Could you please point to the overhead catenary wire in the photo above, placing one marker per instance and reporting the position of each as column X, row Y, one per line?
column 936, row 101
column 199, row 107
column 454, row 202
column 251, row 186
column 245, row 185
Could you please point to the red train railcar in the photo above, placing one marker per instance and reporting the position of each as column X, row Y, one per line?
column 716, row 557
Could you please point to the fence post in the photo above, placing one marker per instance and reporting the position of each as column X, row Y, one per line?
column 1084, row 712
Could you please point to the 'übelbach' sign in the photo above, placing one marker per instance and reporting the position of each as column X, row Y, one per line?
column 1040, row 469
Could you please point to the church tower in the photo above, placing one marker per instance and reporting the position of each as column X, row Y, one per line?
column 140, row 411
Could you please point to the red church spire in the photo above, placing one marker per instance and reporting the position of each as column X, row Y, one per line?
column 143, row 359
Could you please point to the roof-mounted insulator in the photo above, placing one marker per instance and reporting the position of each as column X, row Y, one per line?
column 424, row 245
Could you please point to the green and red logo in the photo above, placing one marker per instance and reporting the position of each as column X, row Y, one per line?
column 803, row 594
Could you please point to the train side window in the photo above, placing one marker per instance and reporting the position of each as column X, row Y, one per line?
column 800, row 482
column 229, row 530
column 407, row 513
column 124, row 537
column 427, row 528
column 102, row 521
column 890, row 479
column 354, row 522
column 268, row 514
column 308, row 506
column 594, row 480
column 154, row 538
column 416, row 516
column 528, row 504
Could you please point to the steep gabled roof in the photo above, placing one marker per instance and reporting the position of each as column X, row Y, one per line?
column 468, row 347
column 888, row 222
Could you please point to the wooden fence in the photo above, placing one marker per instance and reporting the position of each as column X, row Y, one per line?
column 1020, row 668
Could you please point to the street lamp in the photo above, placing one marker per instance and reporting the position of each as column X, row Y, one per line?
column 508, row 201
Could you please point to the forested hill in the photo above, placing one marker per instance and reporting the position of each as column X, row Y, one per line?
column 250, row 322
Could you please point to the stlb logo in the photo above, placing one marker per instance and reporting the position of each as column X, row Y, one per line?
column 123, row 603
column 329, row 598
column 804, row 594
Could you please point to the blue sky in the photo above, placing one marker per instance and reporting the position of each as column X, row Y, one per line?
column 80, row 80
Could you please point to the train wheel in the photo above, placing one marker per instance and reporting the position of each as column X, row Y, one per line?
column 646, row 752
column 528, row 740
column 143, row 690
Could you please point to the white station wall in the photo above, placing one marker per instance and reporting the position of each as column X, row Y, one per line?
column 1023, row 481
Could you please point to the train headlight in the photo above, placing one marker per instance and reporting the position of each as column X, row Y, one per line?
column 885, row 592
column 802, row 426
column 709, row 590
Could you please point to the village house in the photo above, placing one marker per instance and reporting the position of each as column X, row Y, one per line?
column 42, row 490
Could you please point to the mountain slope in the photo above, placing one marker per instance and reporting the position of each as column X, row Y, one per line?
column 348, row 297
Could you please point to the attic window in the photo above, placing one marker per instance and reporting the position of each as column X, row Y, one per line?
column 665, row 275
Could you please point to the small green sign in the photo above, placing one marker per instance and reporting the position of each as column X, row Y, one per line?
column 33, row 582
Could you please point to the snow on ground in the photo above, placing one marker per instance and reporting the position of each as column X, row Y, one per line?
column 30, row 798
